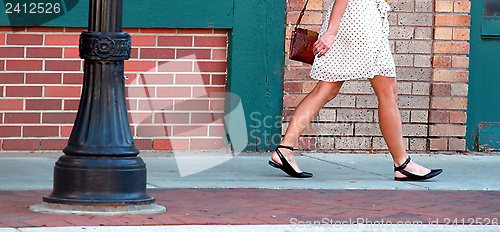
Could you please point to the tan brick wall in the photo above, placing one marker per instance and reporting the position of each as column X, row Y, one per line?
column 297, row 82
column 449, row 85
column 429, row 47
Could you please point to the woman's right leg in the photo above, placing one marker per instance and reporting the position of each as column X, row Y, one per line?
column 390, row 124
column 302, row 116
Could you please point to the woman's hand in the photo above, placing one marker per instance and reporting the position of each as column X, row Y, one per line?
column 323, row 44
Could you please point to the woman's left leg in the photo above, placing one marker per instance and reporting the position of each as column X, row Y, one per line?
column 390, row 123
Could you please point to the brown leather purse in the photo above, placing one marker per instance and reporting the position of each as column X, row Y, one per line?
column 301, row 46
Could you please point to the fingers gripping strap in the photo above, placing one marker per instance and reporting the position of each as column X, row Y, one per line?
column 403, row 166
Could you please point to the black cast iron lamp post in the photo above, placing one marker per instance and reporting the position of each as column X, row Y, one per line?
column 100, row 172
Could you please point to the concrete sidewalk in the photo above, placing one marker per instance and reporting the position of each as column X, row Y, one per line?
column 215, row 191
column 480, row 171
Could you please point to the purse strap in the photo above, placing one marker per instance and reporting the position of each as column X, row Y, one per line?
column 301, row 15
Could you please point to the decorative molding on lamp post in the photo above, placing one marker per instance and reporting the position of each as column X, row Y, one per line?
column 100, row 172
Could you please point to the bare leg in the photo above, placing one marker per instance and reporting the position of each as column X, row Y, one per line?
column 390, row 123
column 303, row 114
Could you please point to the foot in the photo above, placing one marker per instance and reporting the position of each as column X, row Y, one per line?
column 414, row 168
column 286, row 166
column 288, row 156
column 410, row 171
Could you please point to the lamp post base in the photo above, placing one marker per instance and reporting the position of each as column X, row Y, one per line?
column 99, row 186
column 99, row 210
column 94, row 181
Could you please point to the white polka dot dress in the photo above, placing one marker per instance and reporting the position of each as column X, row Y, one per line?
column 361, row 48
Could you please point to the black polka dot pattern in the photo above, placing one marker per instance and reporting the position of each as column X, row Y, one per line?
column 361, row 48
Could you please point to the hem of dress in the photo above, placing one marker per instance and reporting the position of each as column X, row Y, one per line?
column 349, row 79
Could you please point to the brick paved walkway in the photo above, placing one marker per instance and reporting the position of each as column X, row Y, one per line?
column 267, row 206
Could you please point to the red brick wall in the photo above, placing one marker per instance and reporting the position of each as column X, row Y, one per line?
column 176, row 80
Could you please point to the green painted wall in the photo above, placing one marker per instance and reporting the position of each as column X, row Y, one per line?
column 136, row 14
column 255, row 69
column 473, row 112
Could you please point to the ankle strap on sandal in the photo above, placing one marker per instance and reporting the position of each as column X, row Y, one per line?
column 287, row 147
column 403, row 166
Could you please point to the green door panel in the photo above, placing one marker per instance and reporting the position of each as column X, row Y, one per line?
column 483, row 112
column 490, row 27
column 488, row 139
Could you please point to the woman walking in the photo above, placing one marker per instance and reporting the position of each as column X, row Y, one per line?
column 353, row 44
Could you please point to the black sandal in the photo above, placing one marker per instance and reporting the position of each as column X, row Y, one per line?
column 412, row 177
column 286, row 167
